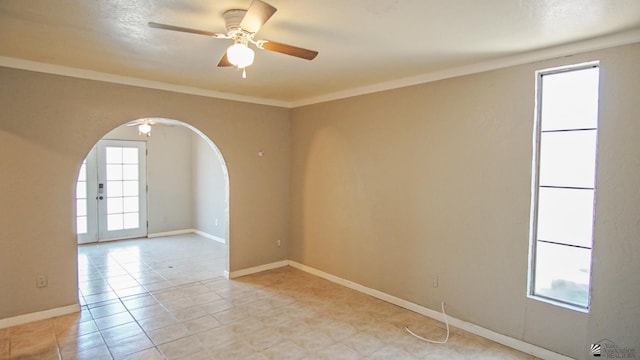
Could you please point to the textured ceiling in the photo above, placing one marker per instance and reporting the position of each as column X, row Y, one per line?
column 361, row 43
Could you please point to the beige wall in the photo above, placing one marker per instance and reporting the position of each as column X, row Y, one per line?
column 48, row 124
column 391, row 189
column 209, row 198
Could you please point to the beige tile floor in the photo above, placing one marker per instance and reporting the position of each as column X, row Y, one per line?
column 166, row 298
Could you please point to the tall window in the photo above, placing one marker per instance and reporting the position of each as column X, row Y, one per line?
column 564, row 184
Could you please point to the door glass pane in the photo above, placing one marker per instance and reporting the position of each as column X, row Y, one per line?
column 81, row 190
column 562, row 272
column 131, row 221
column 114, row 172
column 131, row 204
column 81, row 224
column 565, row 215
column 114, row 222
column 113, row 155
column 114, row 205
column 568, row 158
column 570, row 100
column 81, row 207
column 130, row 172
column 130, row 155
column 82, row 175
column 130, row 188
column 114, row 188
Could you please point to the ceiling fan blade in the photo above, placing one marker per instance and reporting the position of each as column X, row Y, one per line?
column 184, row 29
column 288, row 49
column 224, row 61
column 257, row 14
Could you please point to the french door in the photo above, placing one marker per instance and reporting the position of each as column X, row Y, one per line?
column 111, row 192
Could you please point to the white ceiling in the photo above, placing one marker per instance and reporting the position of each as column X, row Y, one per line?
column 363, row 44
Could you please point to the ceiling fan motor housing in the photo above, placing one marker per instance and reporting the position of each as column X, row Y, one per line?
column 232, row 19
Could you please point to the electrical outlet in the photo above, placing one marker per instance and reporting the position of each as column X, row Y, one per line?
column 41, row 281
column 434, row 281
column 279, row 242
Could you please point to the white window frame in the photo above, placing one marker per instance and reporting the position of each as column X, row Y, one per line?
column 536, row 186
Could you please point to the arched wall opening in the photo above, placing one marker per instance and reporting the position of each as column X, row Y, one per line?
column 187, row 178
column 49, row 124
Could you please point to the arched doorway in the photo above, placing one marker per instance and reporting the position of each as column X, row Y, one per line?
column 187, row 207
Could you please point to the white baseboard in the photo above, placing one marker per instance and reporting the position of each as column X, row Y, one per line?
column 40, row 315
column 187, row 231
column 209, row 236
column 256, row 269
column 460, row 324
column 171, row 233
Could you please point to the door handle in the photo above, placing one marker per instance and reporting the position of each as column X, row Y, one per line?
column 100, row 191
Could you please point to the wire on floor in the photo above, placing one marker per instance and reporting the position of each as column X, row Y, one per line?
column 429, row 340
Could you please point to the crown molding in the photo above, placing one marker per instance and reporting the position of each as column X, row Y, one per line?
column 603, row 42
column 132, row 81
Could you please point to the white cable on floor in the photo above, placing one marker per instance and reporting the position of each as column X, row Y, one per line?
column 433, row 341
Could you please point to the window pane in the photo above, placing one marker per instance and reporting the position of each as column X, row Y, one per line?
column 114, row 222
column 81, row 190
column 81, row 207
column 130, row 172
column 565, row 216
column 114, row 205
column 131, row 221
column 130, row 188
column 562, row 272
column 568, row 158
column 114, row 155
column 81, row 224
column 570, row 100
column 130, row 155
column 131, row 204
column 114, row 188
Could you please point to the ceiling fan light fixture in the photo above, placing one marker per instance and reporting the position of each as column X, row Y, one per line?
column 240, row 55
column 144, row 129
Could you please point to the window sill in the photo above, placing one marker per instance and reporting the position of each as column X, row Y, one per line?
column 559, row 304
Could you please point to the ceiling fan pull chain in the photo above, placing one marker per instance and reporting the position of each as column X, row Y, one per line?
column 244, row 73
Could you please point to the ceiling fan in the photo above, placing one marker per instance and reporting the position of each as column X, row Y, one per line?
column 144, row 124
column 242, row 26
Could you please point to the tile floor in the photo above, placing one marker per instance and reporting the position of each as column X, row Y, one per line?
column 167, row 298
